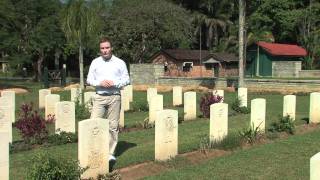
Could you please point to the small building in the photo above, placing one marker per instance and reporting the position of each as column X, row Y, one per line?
column 274, row 60
column 196, row 63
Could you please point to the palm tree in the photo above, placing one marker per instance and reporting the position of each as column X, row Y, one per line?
column 216, row 20
column 82, row 23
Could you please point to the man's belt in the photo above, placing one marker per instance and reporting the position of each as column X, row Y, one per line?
column 108, row 94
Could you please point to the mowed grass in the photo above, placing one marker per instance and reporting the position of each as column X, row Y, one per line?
column 138, row 146
column 283, row 159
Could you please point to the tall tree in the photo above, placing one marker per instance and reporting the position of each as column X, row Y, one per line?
column 147, row 27
column 29, row 31
column 242, row 16
column 82, row 24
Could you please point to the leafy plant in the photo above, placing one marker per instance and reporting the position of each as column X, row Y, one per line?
column 46, row 167
column 251, row 134
column 140, row 106
column 63, row 138
column 240, row 109
column 82, row 111
column 31, row 125
column 285, row 124
column 207, row 100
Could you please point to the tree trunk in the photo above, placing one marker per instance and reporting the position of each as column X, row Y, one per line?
column 81, row 67
column 242, row 7
column 39, row 66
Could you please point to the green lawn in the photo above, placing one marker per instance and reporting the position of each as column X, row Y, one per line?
column 138, row 146
column 284, row 159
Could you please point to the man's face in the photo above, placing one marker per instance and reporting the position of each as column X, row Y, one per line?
column 106, row 50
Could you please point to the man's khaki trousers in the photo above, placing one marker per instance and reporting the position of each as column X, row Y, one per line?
column 108, row 107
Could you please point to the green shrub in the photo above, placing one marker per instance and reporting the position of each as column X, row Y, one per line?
column 139, row 106
column 251, row 134
column 45, row 167
column 240, row 109
column 63, row 138
column 82, row 111
column 285, row 124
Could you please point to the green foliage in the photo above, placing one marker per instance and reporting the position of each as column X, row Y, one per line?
column 46, row 167
column 240, row 109
column 285, row 124
column 251, row 134
column 148, row 26
column 63, row 138
column 140, row 106
column 82, row 111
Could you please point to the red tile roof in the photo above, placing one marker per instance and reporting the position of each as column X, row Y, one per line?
column 282, row 49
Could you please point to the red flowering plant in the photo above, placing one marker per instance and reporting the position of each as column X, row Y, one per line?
column 31, row 125
column 207, row 100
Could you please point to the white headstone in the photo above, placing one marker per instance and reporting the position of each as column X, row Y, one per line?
column 219, row 92
column 93, row 147
column 150, row 93
column 121, row 120
column 218, row 121
column 177, row 95
column 11, row 96
column 51, row 101
column 4, row 156
column 130, row 92
column 88, row 99
column 242, row 96
column 166, row 134
column 76, row 95
column 315, row 167
column 5, row 120
column 125, row 99
column 42, row 95
column 190, row 105
column 258, row 114
column 65, row 117
column 314, row 113
column 289, row 106
column 156, row 104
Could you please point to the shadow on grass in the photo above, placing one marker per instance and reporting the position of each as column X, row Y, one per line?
column 123, row 146
column 306, row 119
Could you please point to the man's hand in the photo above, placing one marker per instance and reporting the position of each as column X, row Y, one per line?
column 107, row 83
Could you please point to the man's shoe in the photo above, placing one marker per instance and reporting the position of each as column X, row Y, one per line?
column 112, row 158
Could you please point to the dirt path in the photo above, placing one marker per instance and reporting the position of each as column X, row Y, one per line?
column 153, row 168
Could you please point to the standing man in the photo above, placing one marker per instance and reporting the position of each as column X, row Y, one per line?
column 108, row 74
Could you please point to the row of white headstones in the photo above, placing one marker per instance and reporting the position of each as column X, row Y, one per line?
column 93, row 133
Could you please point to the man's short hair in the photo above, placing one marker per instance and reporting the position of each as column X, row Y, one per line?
column 105, row 39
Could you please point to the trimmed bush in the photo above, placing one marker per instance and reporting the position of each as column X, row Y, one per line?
column 45, row 167
column 285, row 124
column 31, row 125
column 207, row 100
column 240, row 109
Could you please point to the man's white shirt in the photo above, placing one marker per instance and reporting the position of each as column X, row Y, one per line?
column 113, row 69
